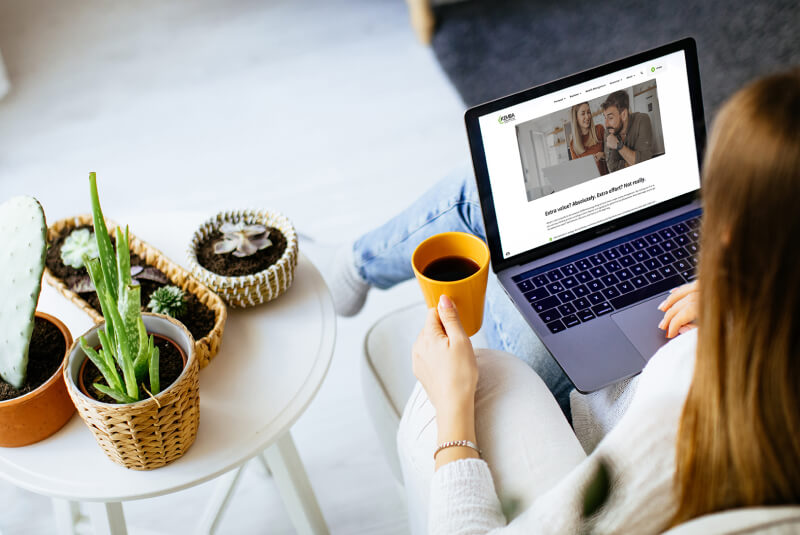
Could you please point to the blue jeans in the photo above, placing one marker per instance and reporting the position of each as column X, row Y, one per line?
column 383, row 258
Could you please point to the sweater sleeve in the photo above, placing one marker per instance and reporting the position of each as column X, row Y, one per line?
column 463, row 499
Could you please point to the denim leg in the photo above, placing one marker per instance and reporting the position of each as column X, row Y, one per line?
column 506, row 330
column 383, row 255
column 383, row 259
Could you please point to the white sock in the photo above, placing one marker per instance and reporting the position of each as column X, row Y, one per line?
column 348, row 289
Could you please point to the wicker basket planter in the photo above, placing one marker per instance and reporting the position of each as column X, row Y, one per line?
column 150, row 433
column 207, row 346
column 257, row 288
column 40, row 413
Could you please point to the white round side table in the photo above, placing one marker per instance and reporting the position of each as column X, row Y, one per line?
column 272, row 361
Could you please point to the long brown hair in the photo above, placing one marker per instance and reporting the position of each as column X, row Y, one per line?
column 739, row 438
column 577, row 141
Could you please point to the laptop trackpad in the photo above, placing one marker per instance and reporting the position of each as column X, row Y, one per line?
column 640, row 325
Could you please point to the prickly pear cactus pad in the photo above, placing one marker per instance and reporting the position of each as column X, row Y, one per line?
column 22, row 255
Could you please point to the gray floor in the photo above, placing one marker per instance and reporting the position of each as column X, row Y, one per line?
column 737, row 41
column 328, row 111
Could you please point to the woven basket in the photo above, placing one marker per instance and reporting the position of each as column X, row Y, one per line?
column 258, row 288
column 206, row 347
column 150, row 433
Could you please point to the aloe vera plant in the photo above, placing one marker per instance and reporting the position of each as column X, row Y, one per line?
column 124, row 340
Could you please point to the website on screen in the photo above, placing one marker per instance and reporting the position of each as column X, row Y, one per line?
column 573, row 159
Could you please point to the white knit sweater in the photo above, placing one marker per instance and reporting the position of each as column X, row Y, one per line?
column 640, row 451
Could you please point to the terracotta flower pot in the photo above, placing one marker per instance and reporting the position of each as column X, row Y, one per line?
column 150, row 433
column 38, row 414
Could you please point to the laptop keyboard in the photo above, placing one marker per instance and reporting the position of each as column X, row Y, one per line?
column 613, row 278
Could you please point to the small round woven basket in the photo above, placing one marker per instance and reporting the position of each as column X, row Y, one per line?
column 150, row 433
column 258, row 288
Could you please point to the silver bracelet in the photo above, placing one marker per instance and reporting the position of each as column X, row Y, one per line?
column 465, row 443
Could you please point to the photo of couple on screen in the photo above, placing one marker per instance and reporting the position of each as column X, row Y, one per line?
column 590, row 139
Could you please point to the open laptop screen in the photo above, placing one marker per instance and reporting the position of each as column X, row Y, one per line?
column 590, row 153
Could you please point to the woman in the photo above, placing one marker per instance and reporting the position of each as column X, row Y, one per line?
column 587, row 141
column 714, row 422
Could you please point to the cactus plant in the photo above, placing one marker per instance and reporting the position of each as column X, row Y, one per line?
column 124, row 339
column 22, row 255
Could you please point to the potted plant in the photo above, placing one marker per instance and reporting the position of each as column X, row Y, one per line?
column 246, row 256
column 203, row 312
column 134, row 376
column 33, row 398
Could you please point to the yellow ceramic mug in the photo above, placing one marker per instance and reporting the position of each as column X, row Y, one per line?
column 468, row 293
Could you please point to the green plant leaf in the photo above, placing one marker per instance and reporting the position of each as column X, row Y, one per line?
column 116, row 384
column 124, row 351
column 130, row 310
column 119, row 396
column 108, row 347
column 104, row 246
column 123, row 262
column 143, row 358
column 597, row 491
column 155, row 385
column 109, row 374
column 98, row 279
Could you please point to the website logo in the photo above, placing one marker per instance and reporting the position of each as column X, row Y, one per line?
column 503, row 119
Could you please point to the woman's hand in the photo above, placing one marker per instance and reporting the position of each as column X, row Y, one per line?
column 680, row 310
column 444, row 362
column 443, row 359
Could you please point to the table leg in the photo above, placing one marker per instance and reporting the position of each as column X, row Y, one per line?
column 294, row 487
column 67, row 514
column 107, row 518
column 219, row 501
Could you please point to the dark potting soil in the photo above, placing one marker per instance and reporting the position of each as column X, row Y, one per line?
column 198, row 318
column 170, row 366
column 228, row 265
column 45, row 354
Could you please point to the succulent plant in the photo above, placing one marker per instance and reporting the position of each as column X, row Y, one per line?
column 168, row 300
column 22, row 255
column 78, row 244
column 84, row 284
column 124, row 338
column 243, row 240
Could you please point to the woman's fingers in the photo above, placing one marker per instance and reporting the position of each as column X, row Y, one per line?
column 681, row 313
column 684, row 317
column 448, row 315
column 668, row 315
column 677, row 294
column 432, row 326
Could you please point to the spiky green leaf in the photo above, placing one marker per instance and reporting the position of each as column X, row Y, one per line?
column 155, row 385
column 109, row 373
column 104, row 247
column 123, row 262
column 121, row 397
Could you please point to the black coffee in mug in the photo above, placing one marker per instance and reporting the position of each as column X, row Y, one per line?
column 450, row 268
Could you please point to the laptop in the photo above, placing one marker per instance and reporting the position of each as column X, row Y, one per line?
column 571, row 173
column 588, row 264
